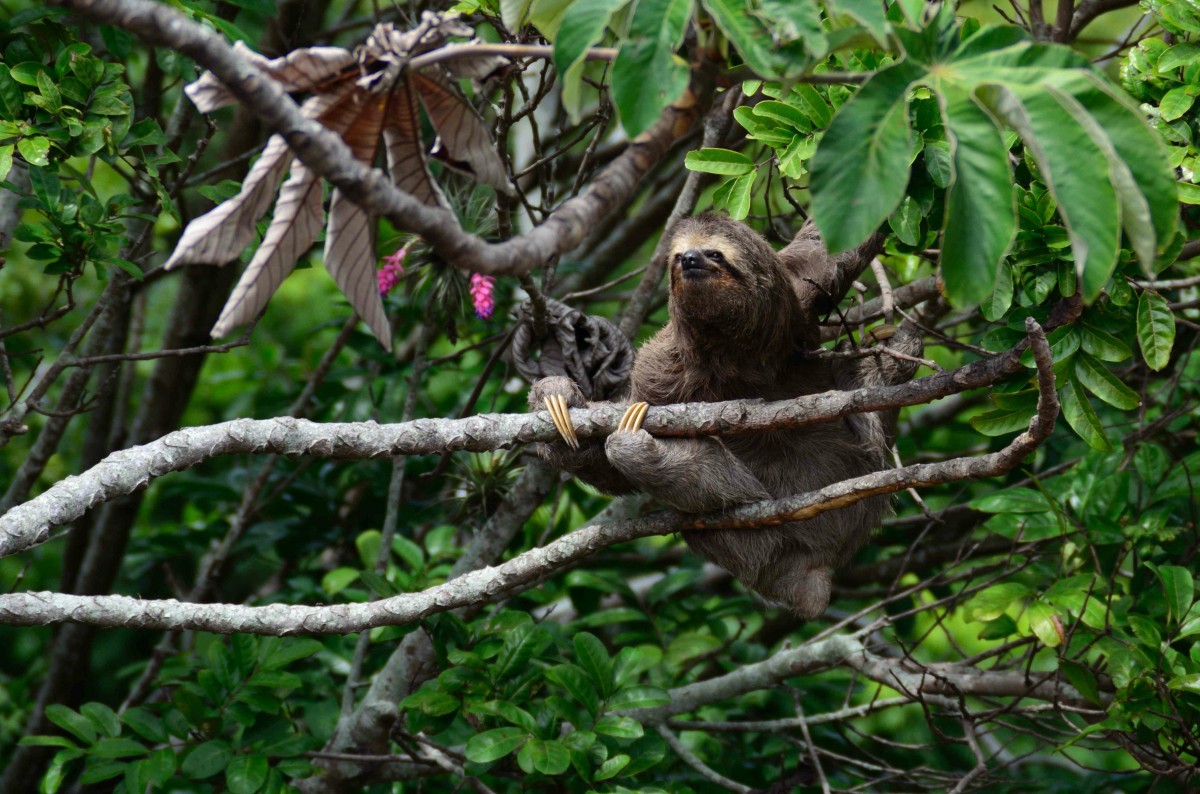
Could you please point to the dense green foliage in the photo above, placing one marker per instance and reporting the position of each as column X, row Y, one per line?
column 1047, row 172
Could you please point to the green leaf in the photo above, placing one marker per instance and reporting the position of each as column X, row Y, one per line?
column 938, row 163
column 1102, row 344
column 1155, row 329
column 246, row 774
column 582, row 26
column 612, row 767
column 993, row 602
column 793, row 20
column 619, row 727
column 1179, row 55
column 1080, row 415
column 861, row 167
column 869, row 13
column 647, row 75
column 483, row 748
column 793, row 158
column 1144, row 159
column 549, row 757
column 783, row 112
column 906, row 221
column 1078, row 173
column 46, row 741
column 593, row 658
column 1046, row 624
column 12, row 98
column 815, row 106
column 737, row 200
column 981, row 217
column 118, row 747
column 1012, row 500
column 1105, row 385
column 103, row 717
column 287, row 651
column 1179, row 588
column 72, row 722
column 368, row 544
column 998, row 629
column 578, row 683
column 35, row 150
column 339, row 579
column 638, row 697
column 207, row 759
column 48, row 90
column 753, row 40
column 723, row 162
column 514, row 13
column 1003, row 421
column 520, row 645
column 1176, row 102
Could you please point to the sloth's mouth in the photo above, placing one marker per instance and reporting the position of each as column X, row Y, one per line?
column 699, row 270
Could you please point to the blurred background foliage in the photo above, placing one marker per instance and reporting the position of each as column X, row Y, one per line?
column 1078, row 567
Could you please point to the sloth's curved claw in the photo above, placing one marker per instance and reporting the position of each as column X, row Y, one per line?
column 633, row 418
column 561, row 417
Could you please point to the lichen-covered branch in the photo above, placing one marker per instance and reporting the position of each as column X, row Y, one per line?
column 126, row 471
column 526, row 570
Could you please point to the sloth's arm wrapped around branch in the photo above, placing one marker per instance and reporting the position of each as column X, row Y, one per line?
column 821, row 278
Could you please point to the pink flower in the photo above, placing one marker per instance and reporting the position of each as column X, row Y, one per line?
column 481, row 295
column 392, row 270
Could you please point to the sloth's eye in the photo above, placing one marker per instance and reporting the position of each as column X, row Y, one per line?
column 715, row 256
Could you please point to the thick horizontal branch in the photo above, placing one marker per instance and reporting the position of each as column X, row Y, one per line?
column 487, row 585
column 122, row 473
column 328, row 156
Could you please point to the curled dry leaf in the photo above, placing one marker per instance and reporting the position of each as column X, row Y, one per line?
column 370, row 98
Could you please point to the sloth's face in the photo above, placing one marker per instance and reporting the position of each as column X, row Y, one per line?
column 698, row 258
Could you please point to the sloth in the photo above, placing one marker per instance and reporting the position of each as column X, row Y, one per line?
column 743, row 319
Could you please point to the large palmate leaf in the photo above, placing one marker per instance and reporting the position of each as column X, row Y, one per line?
column 369, row 98
column 1105, row 169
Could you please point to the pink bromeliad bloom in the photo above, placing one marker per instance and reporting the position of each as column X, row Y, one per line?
column 392, row 270
column 481, row 295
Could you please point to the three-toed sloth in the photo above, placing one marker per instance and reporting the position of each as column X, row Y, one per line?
column 742, row 317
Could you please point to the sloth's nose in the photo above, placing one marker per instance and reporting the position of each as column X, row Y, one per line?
column 693, row 259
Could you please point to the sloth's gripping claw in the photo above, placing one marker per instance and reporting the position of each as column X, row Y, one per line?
column 559, row 414
column 633, row 418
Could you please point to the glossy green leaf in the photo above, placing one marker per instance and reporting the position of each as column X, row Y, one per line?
column 794, row 20
column 1179, row 588
column 1081, row 416
column 638, row 697
column 1012, row 500
column 206, row 760
column 35, row 150
column 1105, row 385
column 647, row 74
column 246, row 774
column 861, row 167
column 619, row 727
column 593, row 658
column 723, row 162
column 103, row 717
column 737, row 201
column 72, row 722
column 1102, row 344
column 612, row 767
column 483, row 748
column 1155, row 329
